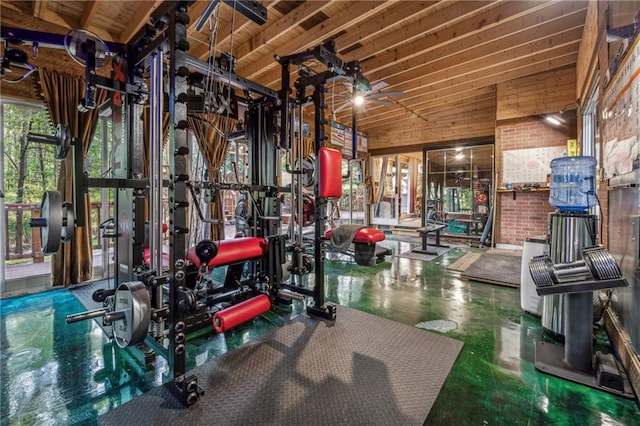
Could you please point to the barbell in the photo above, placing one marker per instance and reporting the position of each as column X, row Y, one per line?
column 61, row 141
column 129, row 316
column 56, row 222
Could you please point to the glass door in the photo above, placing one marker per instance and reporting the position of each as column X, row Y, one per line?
column 459, row 188
column 384, row 206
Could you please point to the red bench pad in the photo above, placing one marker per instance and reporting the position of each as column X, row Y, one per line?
column 234, row 250
column 364, row 235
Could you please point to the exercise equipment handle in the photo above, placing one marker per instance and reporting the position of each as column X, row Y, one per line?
column 96, row 313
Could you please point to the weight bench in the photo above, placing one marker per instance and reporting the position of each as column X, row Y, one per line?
column 364, row 241
column 434, row 228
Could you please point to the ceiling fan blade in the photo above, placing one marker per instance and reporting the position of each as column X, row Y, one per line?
column 343, row 106
column 379, row 86
column 385, row 94
column 379, row 102
column 348, row 85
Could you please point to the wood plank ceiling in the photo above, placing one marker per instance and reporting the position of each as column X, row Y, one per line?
column 445, row 56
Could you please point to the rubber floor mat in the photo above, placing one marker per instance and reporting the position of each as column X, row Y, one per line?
column 358, row 370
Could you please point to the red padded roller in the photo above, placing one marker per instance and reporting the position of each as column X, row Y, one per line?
column 234, row 250
column 330, row 172
column 242, row 312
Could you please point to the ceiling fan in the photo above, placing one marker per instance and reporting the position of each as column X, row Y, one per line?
column 361, row 92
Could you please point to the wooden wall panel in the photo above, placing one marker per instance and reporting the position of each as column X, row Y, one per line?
column 587, row 62
column 538, row 94
column 476, row 121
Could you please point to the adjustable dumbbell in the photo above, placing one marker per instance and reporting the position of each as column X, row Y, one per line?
column 597, row 264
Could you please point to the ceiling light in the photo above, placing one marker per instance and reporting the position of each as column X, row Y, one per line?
column 553, row 120
column 358, row 100
column 459, row 156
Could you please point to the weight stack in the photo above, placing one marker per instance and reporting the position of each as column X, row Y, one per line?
column 569, row 233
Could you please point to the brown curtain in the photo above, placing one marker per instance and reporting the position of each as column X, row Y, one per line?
column 145, row 135
column 208, row 130
column 62, row 92
column 146, row 117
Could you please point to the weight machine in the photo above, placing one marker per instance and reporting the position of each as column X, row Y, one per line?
column 156, row 299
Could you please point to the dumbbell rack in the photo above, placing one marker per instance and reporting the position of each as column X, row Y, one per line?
column 577, row 281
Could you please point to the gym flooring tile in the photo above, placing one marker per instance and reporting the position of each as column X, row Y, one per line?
column 54, row 373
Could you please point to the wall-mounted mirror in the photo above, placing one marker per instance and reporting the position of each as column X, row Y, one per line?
column 459, row 188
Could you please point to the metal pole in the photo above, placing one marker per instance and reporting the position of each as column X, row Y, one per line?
column 3, row 231
column 104, row 204
column 155, row 162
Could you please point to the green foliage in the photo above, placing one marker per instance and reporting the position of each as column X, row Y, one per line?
column 41, row 166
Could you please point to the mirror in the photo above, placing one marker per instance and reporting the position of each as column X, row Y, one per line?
column 459, row 188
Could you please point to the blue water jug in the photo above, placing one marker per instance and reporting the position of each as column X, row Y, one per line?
column 573, row 183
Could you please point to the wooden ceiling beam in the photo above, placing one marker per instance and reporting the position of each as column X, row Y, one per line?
column 226, row 26
column 138, row 20
column 279, row 29
column 483, row 58
column 393, row 36
column 428, row 107
column 480, row 59
column 552, row 16
column 542, row 20
column 557, row 58
column 425, row 110
column 351, row 14
column 39, row 7
column 89, row 12
column 396, row 16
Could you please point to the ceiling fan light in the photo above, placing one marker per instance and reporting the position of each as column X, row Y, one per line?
column 358, row 100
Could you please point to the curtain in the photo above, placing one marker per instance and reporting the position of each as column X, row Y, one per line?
column 209, row 131
column 62, row 92
column 146, row 137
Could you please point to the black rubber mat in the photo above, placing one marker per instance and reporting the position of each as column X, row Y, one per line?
column 494, row 268
column 359, row 370
column 83, row 293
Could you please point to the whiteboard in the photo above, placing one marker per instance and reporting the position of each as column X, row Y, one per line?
column 529, row 165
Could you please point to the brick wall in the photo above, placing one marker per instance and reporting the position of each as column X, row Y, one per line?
column 526, row 216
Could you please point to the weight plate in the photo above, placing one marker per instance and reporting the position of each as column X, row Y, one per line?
column 132, row 298
column 307, row 171
column 63, row 141
column 51, row 211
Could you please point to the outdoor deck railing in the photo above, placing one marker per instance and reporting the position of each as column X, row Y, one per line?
column 23, row 242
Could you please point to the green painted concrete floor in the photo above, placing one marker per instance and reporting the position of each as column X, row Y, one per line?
column 53, row 373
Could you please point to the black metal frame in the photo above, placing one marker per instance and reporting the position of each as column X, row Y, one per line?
column 185, row 311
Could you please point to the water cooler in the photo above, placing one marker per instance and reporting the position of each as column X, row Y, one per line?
column 567, row 278
column 570, row 228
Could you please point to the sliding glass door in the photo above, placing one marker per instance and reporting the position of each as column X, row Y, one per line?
column 397, row 189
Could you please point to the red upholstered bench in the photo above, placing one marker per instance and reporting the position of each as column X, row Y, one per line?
column 364, row 235
column 232, row 251
column 364, row 244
